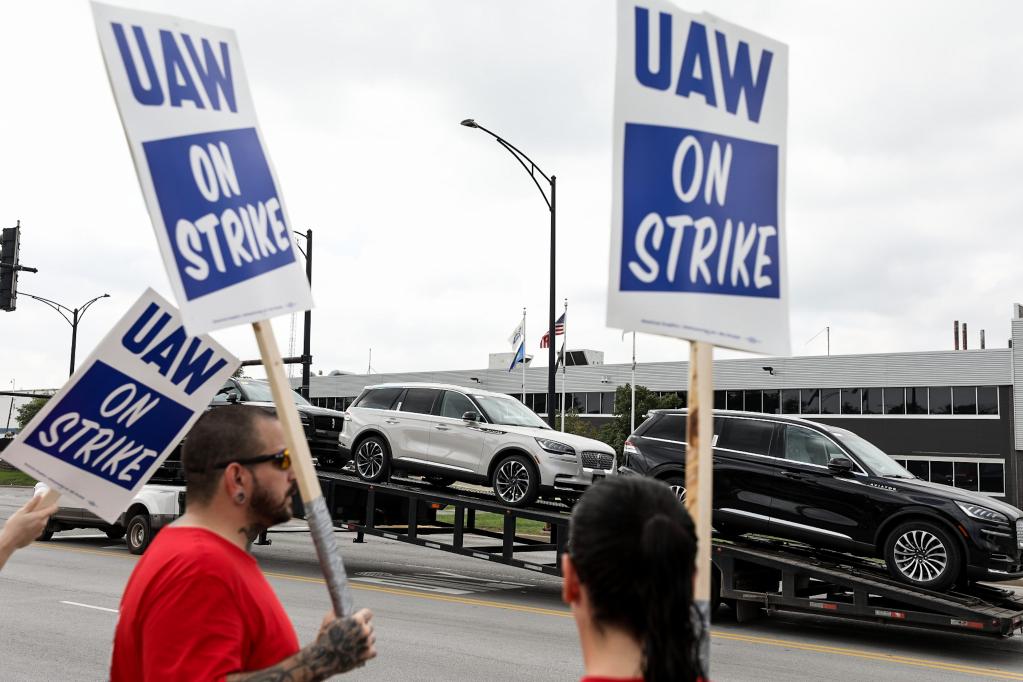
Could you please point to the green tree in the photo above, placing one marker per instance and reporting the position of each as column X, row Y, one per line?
column 577, row 425
column 618, row 429
column 27, row 411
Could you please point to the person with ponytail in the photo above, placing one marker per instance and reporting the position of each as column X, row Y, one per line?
column 628, row 576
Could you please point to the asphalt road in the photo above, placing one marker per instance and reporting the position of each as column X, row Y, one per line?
column 444, row 617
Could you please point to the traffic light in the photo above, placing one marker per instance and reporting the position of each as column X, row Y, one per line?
column 9, row 267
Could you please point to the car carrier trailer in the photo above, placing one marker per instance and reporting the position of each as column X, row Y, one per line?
column 757, row 576
column 406, row 510
column 761, row 575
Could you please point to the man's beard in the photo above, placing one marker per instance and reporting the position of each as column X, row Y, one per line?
column 265, row 510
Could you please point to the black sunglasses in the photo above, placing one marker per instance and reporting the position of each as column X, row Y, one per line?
column 282, row 460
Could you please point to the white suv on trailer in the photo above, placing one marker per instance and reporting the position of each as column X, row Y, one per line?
column 450, row 433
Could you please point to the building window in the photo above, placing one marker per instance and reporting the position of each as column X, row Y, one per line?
column 540, row 402
column 607, row 402
column 810, row 401
column 916, row 401
column 965, row 475
column 992, row 477
column 873, row 401
column 851, row 398
column 941, row 472
column 987, row 400
column 790, row 401
column 772, row 401
column 964, row 400
column 719, row 400
column 593, row 403
column 829, row 401
column 940, row 399
column 920, row 468
column 733, row 400
column 753, row 401
column 982, row 475
column 895, row 401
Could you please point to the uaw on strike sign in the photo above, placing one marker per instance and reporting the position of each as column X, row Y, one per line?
column 698, row 235
column 128, row 405
column 208, row 183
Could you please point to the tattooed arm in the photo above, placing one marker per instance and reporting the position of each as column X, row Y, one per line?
column 343, row 644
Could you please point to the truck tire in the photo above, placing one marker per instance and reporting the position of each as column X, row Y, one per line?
column 923, row 554
column 373, row 460
column 139, row 533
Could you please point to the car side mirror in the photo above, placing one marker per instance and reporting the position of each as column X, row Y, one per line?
column 841, row 465
column 471, row 417
column 232, row 397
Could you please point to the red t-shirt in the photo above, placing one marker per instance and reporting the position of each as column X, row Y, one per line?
column 197, row 607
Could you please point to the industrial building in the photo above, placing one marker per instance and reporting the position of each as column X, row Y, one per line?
column 953, row 417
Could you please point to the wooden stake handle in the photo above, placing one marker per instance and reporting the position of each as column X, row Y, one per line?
column 321, row 527
column 699, row 479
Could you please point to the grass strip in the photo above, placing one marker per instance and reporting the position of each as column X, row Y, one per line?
column 495, row 522
column 16, row 478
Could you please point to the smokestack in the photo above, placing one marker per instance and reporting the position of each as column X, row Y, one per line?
column 982, row 339
column 955, row 334
column 964, row 336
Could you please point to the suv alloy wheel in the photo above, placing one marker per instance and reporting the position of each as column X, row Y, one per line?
column 515, row 481
column 923, row 554
column 678, row 487
column 372, row 460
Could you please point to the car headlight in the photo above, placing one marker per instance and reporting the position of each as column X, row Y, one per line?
column 555, row 447
column 982, row 513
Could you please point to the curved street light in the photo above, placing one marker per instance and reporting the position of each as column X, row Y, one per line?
column 534, row 170
column 76, row 316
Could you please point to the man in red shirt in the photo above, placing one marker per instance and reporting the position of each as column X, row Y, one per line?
column 197, row 606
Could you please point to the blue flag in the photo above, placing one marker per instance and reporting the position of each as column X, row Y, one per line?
column 520, row 356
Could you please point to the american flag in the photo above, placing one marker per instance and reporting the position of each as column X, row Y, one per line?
column 559, row 329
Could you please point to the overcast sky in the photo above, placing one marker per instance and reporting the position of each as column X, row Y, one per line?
column 904, row 171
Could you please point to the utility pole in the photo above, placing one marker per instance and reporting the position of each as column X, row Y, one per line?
column 307, row 353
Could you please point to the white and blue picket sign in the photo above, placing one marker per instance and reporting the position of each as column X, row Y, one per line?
column 213, row 198
column 698, row 236
column 220, row 208
column 128, row 405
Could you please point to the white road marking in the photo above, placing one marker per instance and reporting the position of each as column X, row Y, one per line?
column 441, row 582
column 90, row 606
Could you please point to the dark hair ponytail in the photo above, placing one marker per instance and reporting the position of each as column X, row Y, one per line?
column 634, row 548
column 670, row 644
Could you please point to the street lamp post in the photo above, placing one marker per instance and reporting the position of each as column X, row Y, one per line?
column 307, row 353
column 76, row 317
column 534, row 170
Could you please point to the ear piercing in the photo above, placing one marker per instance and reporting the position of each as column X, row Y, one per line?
column 239, row 498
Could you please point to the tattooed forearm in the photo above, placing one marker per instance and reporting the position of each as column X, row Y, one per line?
column 345, row 644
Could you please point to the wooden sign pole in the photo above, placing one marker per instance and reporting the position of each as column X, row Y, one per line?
column 699, row 480
column 321, row 526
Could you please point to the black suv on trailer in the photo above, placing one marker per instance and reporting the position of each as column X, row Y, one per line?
column 321, row 425
column 827, row 487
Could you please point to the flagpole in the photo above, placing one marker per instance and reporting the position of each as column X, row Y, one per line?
column 523, row 356
column 564, row 365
